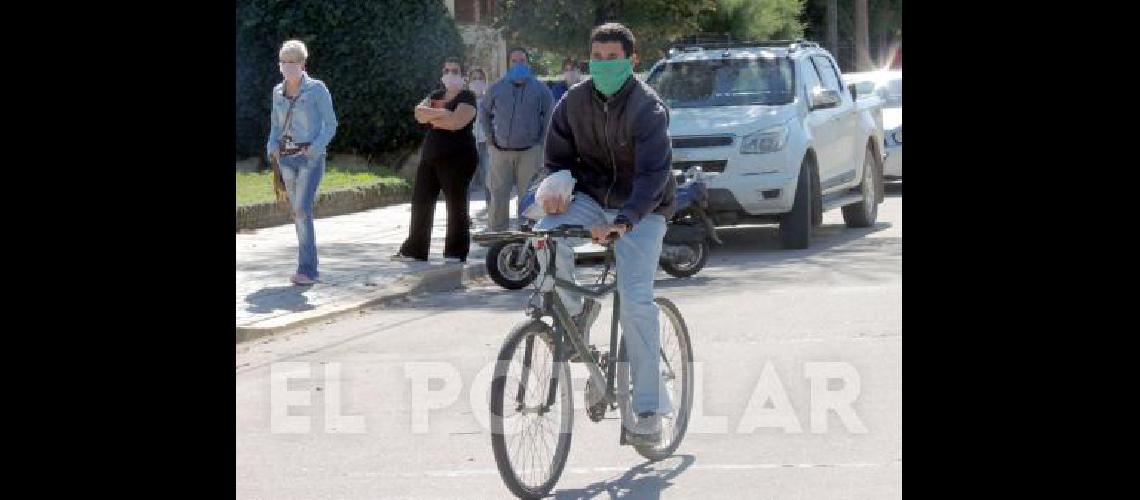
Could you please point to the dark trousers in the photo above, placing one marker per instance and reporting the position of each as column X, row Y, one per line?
column 452, row 175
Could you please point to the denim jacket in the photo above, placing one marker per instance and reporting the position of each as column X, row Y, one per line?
column 313, row 118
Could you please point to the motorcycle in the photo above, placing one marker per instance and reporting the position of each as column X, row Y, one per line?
column 689, row 235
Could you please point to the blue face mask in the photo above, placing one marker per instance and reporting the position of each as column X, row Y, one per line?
column 518, row 71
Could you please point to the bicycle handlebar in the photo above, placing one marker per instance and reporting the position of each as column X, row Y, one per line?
column 564, row 231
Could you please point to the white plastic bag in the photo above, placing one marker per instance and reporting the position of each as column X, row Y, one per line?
column 559, row 184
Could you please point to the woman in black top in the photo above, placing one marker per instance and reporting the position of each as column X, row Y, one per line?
column 447, row 163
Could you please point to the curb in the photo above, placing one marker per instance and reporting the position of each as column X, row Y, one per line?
column 329, row 204
column 437, row 279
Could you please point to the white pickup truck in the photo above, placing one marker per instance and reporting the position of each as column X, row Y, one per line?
column 778, row 137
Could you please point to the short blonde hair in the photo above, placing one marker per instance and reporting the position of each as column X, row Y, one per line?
column 294, row 48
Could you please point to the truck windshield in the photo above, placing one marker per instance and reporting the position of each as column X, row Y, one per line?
column 724, row 82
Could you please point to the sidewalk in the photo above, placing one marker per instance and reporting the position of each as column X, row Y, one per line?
column 356, row 272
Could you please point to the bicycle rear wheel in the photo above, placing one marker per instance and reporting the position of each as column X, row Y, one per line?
column 676, row 371
column 531, row 441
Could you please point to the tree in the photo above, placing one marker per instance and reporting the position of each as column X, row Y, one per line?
column 862, row 49
column 832, row 24
column 563, row 26
column 755, row 19
column 884, row 28
column 378, row 58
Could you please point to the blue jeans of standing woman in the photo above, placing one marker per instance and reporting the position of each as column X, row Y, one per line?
column 302, row 175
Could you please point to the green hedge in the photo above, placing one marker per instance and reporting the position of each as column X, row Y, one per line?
column 378, row 57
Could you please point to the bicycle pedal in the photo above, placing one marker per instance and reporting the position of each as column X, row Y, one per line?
column 575, row 358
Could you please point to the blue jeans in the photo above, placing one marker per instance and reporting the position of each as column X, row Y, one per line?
column 637, row 253
column 302, row 175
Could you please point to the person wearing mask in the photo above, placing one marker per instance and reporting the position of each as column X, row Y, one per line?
column 477, row 83
column 612, row 134
column 302, row 123
column 514, row 117
column 447, row 163
column 570, row 77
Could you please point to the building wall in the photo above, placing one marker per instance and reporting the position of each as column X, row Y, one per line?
column 486, row 47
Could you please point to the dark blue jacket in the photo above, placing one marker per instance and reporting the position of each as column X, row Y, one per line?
column 618, row 149
column 558, row 89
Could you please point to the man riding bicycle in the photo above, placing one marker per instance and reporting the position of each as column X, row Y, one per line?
column 611, row 133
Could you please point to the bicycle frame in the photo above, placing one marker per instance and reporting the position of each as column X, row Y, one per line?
column 564, row 327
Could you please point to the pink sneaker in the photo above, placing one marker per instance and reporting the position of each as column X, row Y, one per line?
column 301, row 279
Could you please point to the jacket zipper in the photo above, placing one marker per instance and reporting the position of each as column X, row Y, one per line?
column 511, row 125
column 613, row 162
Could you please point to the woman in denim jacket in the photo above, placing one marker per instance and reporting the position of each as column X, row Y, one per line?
column 302, row 125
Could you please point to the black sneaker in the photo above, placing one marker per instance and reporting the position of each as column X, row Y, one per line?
column 399, row 257
column 646, row 430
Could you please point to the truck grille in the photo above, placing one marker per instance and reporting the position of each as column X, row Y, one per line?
column 706, row 165
column 702, row 141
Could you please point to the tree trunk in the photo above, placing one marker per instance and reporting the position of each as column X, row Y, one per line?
column 862, row 50
column 883, row 37
column 833, row 27
column 606, row 12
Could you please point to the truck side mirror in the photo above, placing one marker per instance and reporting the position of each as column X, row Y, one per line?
column 822, row 98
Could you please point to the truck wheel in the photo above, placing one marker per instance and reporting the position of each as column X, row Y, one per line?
column 795, row 226
column 817, row 200
column 863, row 214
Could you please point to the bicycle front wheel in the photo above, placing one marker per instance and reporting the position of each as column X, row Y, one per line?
column 676, row 368
column 530, row 430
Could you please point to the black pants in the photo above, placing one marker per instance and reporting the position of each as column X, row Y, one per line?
column 452, row 175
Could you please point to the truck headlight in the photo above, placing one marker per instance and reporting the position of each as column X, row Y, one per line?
column 768, row 140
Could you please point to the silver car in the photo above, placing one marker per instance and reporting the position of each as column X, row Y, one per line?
column 887, row 85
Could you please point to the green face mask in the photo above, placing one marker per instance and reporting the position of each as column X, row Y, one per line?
column 608, row 76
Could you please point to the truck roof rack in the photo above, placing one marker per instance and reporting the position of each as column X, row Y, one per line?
column 695, row 43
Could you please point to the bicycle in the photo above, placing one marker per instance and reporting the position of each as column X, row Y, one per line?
column 544, row 357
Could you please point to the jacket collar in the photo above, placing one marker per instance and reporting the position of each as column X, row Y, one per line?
column 306, row 82
column 619, row 96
